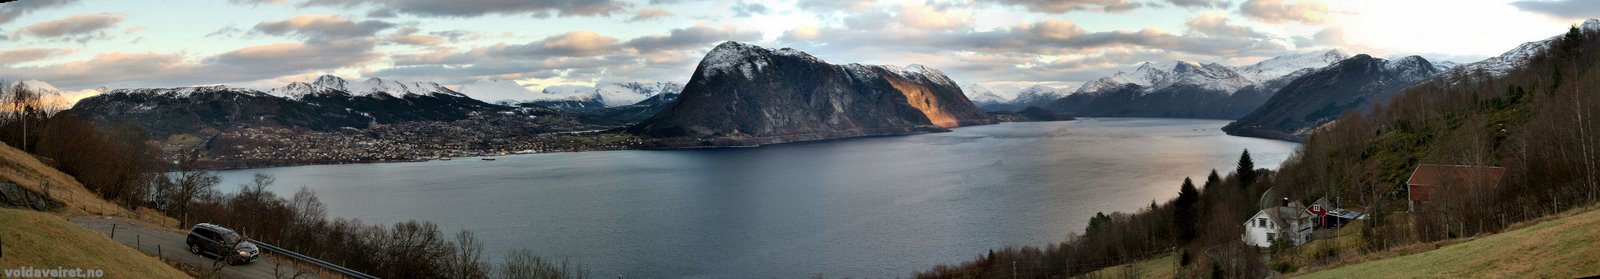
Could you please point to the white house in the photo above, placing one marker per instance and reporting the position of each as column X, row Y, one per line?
column 1289, row 219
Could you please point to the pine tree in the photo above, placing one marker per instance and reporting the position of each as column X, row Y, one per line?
column 1247, row 170
column 1213, row 179
column 1183, row 211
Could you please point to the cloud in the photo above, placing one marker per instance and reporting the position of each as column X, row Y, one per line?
column 802, row 33
column 1216, row 24
column 1201, row 3
column 649, row 14
column 746, row 9
column 1280, row 11
column 869, row 20
column 922, row 16
column 461, row 9
column 259, row 2
column 77, row 28
column 321, row 27
column 13, row 10
column 176, row 69
column 408, row 36
column 17, row 56
column 836, row 5
column 1565, row 9
column 1063, row 6
column 577, row 43
column 698, row 36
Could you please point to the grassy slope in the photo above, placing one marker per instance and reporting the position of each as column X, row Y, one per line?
column 1163, row 267
column 1560, row 248
column 26, row 170
column 44, row 240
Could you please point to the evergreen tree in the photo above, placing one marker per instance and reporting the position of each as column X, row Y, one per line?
column 1247, row 170
column 1213, row 179
column 1183, row 211
column 1572, row 40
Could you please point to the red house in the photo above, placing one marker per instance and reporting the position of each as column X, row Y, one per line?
column 1430, row 178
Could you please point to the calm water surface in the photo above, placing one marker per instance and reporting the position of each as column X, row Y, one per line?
column 869, row 207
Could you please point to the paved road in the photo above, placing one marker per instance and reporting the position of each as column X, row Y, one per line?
column 170, row 244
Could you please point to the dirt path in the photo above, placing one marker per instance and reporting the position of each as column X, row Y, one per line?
column 169, row 244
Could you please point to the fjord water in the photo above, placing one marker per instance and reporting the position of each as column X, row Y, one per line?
column 866, row 207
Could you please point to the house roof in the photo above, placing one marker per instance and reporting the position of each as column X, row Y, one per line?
column 1456, row 175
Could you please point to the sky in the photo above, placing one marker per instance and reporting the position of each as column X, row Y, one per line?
column 83, row 46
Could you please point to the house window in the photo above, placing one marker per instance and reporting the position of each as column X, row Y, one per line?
column 1269, row 237
column 1262, row 222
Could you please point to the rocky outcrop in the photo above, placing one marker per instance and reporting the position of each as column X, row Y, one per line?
column 745, row 95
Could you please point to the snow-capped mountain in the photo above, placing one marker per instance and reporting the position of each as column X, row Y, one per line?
column 1283, row 65
column 185, row 92
column 982, row 95
column 1500, row 65
column 378, row 87
column 567, row 97
column 1037, row 95
column 1153, row 77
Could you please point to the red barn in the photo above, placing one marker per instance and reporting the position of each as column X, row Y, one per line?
column 1429, row 178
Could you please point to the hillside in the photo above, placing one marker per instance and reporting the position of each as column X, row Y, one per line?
column 27, row 171
column 1560, row 248
column 1318, row 97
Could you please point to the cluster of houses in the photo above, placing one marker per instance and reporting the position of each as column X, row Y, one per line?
column 1291, row 222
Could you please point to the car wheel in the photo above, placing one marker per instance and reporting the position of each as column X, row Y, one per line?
column 194, row 249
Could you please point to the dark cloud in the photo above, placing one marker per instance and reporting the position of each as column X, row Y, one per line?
column 13, row 10
column 436, row 8
column 693, row 37
column 1062, row 6
column 409, row 36
column 570, row 44
column 73, row 26
column 322, row 28
column 1280, row 11
column 1566, row 9
column 15, row 56
column 1220, row 4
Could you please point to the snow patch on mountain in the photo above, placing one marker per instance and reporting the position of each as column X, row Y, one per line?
column 1505, row 62
column 330, row 84
column 982, row 95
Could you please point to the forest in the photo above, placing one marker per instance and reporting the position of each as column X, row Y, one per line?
column 1537, row 121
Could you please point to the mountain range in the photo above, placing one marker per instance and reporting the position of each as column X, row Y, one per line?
column 1171, row 89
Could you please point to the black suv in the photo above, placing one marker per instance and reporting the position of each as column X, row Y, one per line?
column 221, row 242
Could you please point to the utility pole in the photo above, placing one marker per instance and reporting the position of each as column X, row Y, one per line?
column 1013, row 269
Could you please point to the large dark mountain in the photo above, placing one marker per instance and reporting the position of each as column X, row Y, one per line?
column 166, row 111
column 1319, row 97
column 329, row 103
column 743, row 95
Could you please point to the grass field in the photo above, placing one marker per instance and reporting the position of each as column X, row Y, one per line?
column 46, row 241
column 1561, row 248
column 1163, row 267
